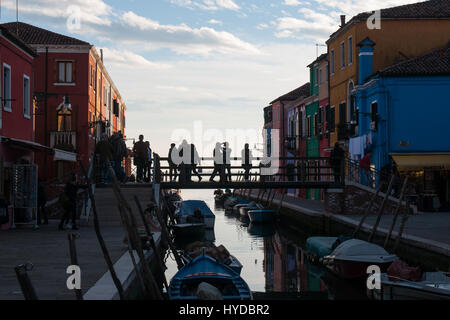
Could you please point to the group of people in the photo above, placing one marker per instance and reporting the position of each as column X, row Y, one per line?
column 142, row 160
column 111, row 151
column 183, row 162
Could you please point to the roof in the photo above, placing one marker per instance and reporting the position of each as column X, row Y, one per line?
column 436, row 62
column 12, row 37
column 302, row 91
column 34, row 36
column 432, row 9
column 323, row 56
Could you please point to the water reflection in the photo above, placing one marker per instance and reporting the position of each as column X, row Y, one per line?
column 273, row 257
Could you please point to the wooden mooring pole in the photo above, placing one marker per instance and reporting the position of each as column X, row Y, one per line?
column 367, row 210
column 74, row 259
column 402, row 226
column 152, row 242
column 381, row 209
column 24, row 280
column 397, row 211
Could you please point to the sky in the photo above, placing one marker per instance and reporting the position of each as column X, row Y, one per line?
column 202, row 70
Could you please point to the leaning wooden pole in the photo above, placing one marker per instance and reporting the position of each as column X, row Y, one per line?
column 131, row 227
column 74, row 260
column 397, row 211
column 381, row 209
column 402, row 226
column 100, row 239
column 25, row 282
column 152, row 242
column 367, row 210
column 280, row 205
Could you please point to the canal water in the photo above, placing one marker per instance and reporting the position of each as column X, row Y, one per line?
column 272, row 256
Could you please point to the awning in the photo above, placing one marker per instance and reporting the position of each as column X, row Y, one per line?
column 420, row 161
column 59, row 155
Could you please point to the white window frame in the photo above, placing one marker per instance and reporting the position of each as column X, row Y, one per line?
column 342, row 51
column 7, row 104
column 65, row 82
column 28, row 116
column 350, row 50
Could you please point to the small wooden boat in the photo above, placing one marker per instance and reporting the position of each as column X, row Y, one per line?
column 186, row 213
column 261, row 216
column 434, row 286
column 243, row 211
column 215, row 252
column 351, row 259
column 189, row 231
column 205, row 269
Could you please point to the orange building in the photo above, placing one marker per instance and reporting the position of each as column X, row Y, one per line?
column 405, row 32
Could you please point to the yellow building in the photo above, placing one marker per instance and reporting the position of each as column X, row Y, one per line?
column 399, row 33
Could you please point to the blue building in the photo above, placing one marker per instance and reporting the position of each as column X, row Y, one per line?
column 404, row 116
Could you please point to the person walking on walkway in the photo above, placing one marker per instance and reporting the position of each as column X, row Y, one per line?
column 337, row 161
column 42, row 201
column 172, row 166
column 218, row 163
column 140, row 158
column 227, row 161
column 69, row 203
column 184, row 151
column 246, row 162
column 104, row 152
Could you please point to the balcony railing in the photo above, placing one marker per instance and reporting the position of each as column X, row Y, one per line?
column 64, row 140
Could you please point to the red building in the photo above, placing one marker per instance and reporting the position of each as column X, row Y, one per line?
column 76, row 99
column 17, row 108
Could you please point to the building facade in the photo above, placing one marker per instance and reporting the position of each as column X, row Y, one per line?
column 403, row 113
column 77, row 100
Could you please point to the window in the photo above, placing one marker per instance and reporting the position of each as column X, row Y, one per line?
column 65, row 72
column 343, row 113
column 350, row 51
column 332, row 116
column 7, row 87
column 343, row 55
column 327, row 72
column 320, row 76
column 26, row 97
column 374, row 115
column 332, row 62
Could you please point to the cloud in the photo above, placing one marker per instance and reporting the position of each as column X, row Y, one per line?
column 213, row 21
column 262, row 26
column 130, row 59
column 207, row 4
column 292, row 2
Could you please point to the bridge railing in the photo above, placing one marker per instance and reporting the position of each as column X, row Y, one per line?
column 282, row 169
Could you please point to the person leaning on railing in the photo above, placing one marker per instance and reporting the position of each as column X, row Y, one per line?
column 336, row 160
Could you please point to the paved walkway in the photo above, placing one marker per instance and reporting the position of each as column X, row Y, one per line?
column 48, row 250
column 430, row 229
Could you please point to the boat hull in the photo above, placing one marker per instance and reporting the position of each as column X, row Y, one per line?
column 347, row 269
column 261, row 216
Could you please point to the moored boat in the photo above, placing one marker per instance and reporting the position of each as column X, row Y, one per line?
column 189, row 231
column 261, row 216
column 433, row 286
column 195, row 211
column 319, row 247
column 202, row 270
column 351, row 258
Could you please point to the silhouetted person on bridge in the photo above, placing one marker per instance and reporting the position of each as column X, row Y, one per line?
column 337, row 161
column 140, row 158
column 184, row 167
column 218, row 163
column 172, row 166
column 226, row 153
column 246, row 161
column 194, row 161
column 148, row 163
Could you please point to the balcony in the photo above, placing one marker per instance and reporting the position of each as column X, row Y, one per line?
column 64, row 140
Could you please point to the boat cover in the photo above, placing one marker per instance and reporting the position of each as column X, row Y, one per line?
column 188, row 207
column 362, row 251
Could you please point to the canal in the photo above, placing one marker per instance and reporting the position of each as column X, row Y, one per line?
column 273, row 258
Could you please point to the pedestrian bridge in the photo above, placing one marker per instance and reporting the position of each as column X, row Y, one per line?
column 282, row 173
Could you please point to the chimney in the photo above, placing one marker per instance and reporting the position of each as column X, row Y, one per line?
column 342, row 20
column 101, row 55
column 365, row 60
